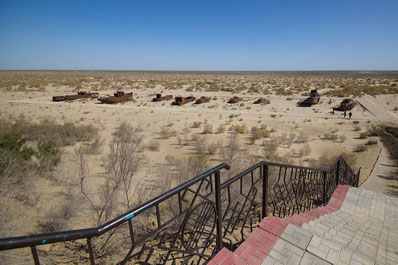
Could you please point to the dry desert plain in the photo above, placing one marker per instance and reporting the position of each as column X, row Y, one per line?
column 290, row 133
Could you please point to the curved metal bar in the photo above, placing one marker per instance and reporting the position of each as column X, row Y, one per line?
column 41, row 239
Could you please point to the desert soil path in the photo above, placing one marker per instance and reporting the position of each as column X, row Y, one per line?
column 384, row 177
column 380, row 112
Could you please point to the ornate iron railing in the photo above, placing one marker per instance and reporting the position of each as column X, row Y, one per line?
column 192, row 222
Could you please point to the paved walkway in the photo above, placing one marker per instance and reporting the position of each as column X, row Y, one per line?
column 384, row 177
column 357, row 227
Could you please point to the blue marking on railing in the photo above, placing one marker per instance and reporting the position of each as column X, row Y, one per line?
column 43, row 241
column 129, row 216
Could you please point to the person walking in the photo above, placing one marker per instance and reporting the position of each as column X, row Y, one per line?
column 345, row 114
column 349, row 115
column 333, row 112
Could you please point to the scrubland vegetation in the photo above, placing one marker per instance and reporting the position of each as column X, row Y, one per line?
column 340, row 84
column 101, row 160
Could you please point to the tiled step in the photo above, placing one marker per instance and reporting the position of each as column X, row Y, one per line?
column 256, row 248
column 356, row 227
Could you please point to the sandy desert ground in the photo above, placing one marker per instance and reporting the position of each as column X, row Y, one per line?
column 301, row 132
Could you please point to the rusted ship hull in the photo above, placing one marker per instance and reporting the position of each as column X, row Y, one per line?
column 202, row 100
column 118, row 97
column 235, row 100
column 183, row 100
column 348, row 105
column 311, row 101
column 160, row 98
column 313, row 98
column 80, row 95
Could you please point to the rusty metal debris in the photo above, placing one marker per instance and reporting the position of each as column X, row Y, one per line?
column 119, row 96
column 259, row 101
column 160, row 98
column 202, row 100
column 79, row 95
column 235, row 100
column 183, row 100
column 348, row 104
column 313, row 98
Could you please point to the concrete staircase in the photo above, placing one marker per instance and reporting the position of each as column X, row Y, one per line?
column 356, row 227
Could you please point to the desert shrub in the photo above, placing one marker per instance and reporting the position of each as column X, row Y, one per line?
column 196, row 124
column 61, row 134
column 342, row 138
column 328, row 157
column 371, row 142
column 200, row 145
column 306, row 150
column 208, row 128
column 241, row 129
column 361, row 148
column 330, row 136
column 357, row 128
column 166, row 133
column 212, row 147
column 221, row 129
column 261, row 132
column 363, row 135
column 302, row 137
column 153, row 145
column 48, row 155
column 14, row 142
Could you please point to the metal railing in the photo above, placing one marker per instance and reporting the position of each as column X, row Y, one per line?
column 191, row 222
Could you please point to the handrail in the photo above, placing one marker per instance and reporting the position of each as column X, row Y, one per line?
column 237, row 212
column 40, row 239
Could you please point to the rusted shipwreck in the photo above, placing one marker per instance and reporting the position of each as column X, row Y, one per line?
column 202, row 100
column 160, row 98
column 183, row 100
column 118, row 96
column 235, row 100
column 313, row 98
column 348, row 104
column 79, row 95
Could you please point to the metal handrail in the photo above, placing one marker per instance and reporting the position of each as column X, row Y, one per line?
column 40, row 239
column 330, row 179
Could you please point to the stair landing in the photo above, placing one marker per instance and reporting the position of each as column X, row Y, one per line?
column 356, row 227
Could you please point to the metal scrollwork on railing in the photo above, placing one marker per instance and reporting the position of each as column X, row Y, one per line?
column 192, row 222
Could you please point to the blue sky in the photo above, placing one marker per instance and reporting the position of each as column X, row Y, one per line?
column 199, row 35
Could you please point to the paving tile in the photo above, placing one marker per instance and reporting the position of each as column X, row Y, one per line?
column 309, row 259
column 285, row 253
column 357, row 227
column 297, row 236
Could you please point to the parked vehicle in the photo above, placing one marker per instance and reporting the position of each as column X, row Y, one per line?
column 79, row 95
column 183, row 100
column 348, row 104
column 313, row 98
column 118, row 96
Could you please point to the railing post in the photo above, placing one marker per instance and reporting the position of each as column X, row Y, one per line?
column 35, row 256
column 90, row 251
column 217, row 191
column 357, row 177
column 265, row 191
column 324, row 186
column 337, row 172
